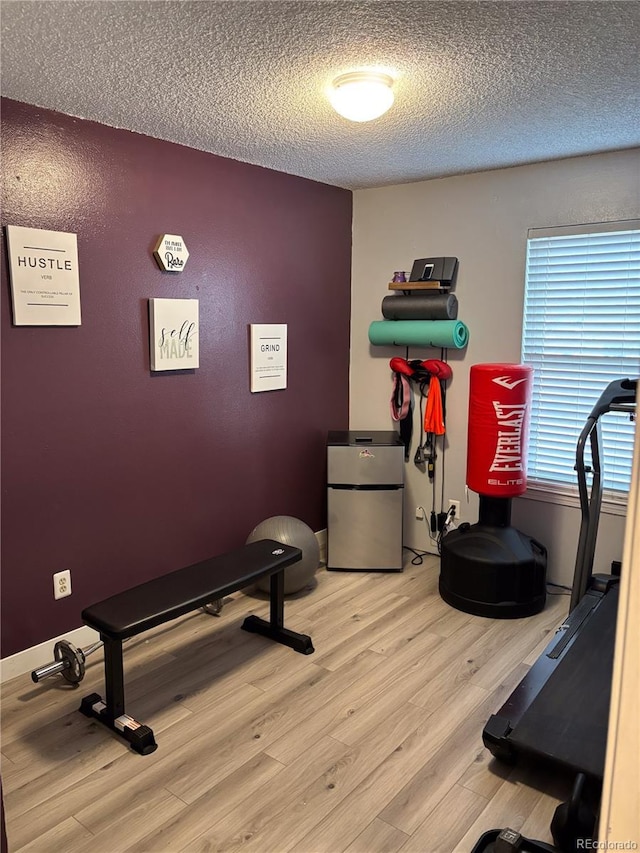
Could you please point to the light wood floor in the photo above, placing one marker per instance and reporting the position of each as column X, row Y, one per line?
column 370, row 745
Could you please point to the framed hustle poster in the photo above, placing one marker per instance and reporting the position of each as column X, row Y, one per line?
column 45, row 282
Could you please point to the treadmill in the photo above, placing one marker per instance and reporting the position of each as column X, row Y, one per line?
column 559, row 712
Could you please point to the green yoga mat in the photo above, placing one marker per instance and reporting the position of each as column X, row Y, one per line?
column 419, row 333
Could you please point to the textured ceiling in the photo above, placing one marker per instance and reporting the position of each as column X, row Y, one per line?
column 479, row 85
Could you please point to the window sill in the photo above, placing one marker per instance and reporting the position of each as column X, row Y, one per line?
column 613, row 503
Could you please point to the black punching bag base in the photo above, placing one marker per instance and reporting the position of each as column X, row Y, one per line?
column 493, row 571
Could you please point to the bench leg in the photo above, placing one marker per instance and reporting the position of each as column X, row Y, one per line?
column 274, row 628
column 114, row 679
column 111, row 712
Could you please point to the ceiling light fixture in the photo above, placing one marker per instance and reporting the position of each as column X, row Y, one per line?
column 361, row 95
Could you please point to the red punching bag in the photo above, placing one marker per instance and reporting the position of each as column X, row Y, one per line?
column 498, row 431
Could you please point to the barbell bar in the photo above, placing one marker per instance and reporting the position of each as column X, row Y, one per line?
column 68, row 660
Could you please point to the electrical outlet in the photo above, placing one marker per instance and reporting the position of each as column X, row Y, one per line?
column 420, row 512
column 456, row 507
column 62, row 584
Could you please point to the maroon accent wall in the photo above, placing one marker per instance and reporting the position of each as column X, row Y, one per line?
column 120, row 474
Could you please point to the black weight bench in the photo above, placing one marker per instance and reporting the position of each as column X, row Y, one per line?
column 162, row 599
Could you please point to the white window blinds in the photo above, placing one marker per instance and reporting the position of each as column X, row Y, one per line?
column 581, row 331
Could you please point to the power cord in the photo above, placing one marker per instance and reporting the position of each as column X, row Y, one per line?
column 564, row 590
column 446, row 527
column 418, row 559
column 430, row 525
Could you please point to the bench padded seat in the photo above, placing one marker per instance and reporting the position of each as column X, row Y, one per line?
column 159, row 600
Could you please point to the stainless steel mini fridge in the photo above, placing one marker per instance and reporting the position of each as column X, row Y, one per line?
column 364, row 501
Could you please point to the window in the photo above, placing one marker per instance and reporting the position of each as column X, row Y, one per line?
column 581, row 331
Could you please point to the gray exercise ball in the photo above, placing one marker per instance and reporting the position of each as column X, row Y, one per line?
column 290, row 531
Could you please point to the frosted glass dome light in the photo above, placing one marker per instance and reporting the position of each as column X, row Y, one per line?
column 361, row 95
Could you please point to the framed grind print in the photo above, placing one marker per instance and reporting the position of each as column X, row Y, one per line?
column 268, row 356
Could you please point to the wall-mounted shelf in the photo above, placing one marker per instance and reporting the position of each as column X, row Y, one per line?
column 409, row 286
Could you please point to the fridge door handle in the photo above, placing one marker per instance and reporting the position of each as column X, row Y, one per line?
column 365, row 487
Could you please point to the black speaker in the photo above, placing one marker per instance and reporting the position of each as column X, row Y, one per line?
column 435, row 269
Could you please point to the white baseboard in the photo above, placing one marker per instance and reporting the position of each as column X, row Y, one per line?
column 37, row 656
column 321, row 536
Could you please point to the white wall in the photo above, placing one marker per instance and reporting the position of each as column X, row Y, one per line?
column 482, row 219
